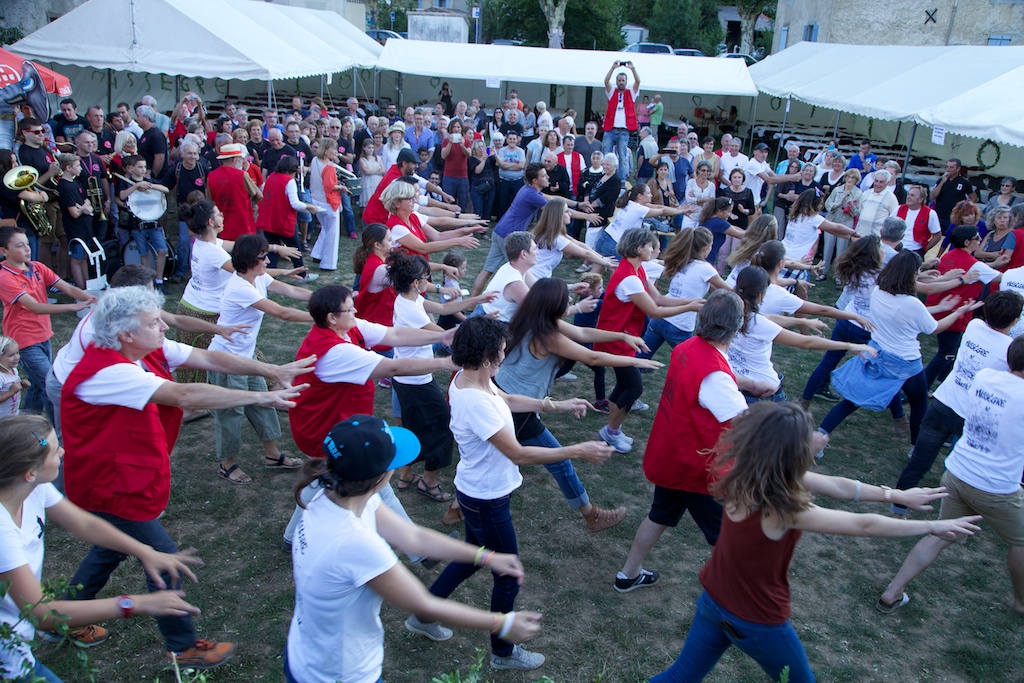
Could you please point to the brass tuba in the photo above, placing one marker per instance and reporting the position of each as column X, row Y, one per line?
column 22, row 178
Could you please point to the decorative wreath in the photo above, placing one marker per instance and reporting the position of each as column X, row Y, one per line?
column 776, row 103
column 696, row 100
column 434, row 82
column 365, row 74
column 981, row 150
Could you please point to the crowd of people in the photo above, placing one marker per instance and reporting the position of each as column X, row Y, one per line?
column 706, row 249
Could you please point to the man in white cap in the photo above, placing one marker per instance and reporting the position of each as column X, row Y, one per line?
column 231, row 193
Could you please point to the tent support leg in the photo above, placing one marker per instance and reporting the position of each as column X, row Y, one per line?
column 270, row 91
column 778, row 149
column 910, row 146
column 835, row 132
column 750, row 126
column 110, row 89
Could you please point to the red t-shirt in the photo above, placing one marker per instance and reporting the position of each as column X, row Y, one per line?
column 455, row 164
column 20, row 324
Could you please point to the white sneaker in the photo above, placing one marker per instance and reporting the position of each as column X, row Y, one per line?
column 521, row 659
column 434, row 631
column 640, row 405
column 620, row 442
column 585, row 268
column 567, row 377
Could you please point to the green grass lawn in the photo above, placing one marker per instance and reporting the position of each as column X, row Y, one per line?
column 957, row 627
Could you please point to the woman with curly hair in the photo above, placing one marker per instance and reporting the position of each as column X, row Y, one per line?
column 766, row 489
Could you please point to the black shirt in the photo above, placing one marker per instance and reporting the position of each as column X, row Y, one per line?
column 92, row 167
column 38, row 158
column 104, row 141
column 558, row 182
column 151, row 143
column 955, row 190
column 70, row 193
column 184, row 181
column 68, row 129
column 268, row 162
column 506, row 127
column 361, row 137
column 10, row 206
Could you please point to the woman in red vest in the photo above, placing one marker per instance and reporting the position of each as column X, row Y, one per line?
column 630, row 298
column 964, row 240
column 408, row 232
column 376, row 296
column 277, row 212
column 767, row 490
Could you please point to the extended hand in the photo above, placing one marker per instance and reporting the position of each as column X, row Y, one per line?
column 157, row 564
column 284, row 375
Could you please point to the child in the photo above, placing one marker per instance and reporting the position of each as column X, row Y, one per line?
column 595, row 284
column 26, row 313
column 425, row 167
column 76, row 212
column 145, row 233
column 457, row 260
column 10, row 383
column 435, row 177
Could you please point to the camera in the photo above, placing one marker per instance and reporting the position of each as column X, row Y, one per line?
column 623, row 63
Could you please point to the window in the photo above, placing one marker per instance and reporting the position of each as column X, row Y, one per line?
column 442, row 3
column 784, row 37
column 1000, row 39
column 811, row 33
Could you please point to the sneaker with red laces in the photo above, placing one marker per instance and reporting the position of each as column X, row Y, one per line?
column 601, row 406
column 85, row 636
column 205, row 654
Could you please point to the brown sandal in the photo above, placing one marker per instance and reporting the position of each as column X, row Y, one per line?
column 406, row 484
column 434, row 493
column 453, row 515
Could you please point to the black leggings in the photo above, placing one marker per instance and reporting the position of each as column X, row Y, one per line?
column 567, row 366
column 629, row 386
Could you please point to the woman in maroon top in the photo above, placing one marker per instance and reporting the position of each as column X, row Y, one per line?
column 455, row 150
column 766, row 495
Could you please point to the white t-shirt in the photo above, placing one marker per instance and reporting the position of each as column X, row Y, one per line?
column 857, row 297
column 483, row 471
column 802, row 236
column 654, row 269
column 548, row 259
column 735, row 273
column 336, row 633
column 628, row 286
column 10, row 406
column 690, row 283
column 19, row 547
column 205, row 287
column 990, row 454
column 986, row 273
column 630, row 216
column 908, row 237
column 350, row 363
column 71, row 353
column 750, row 354
column 128, row 384
column 898, row 320
column 410, row 313
column 1013, row 280
column 755, row 182
column 620, row 107
column 719, row 394
column 777, row 301
column 694, row 193
column 506, row 308
column 980, row 347
column 237, row 308
column 730, row 162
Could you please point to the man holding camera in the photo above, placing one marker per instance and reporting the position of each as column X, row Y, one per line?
column 620, row 118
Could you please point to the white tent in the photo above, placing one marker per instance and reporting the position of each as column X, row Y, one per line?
column 228, row 39
column 970, row 90
column 506, row 63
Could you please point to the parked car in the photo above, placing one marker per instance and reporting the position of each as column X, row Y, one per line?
column 506, row 41
column 739, row 55
column 381, row 35
column 688, row 52
column 649, row 48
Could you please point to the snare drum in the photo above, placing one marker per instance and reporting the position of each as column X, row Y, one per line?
column 130, row 255
column 147, row 206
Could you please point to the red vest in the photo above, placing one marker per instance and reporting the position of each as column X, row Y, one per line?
column 375, row 307
column 117, row 459
column 682, row 444
column 324, row 404
column 575, row 167
column 921, row 234
column 414, row 227
column 276, row 214
column 227, row 190
column 627, row 104
column 374, row 212
column 1017, row 258
column 619, row 316
column 956, row 258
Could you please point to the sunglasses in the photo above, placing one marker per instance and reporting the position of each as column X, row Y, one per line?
column 263, row 257
column 38, row 131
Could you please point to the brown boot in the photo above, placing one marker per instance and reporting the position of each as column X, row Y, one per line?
column 901, row 426
column 599, row 519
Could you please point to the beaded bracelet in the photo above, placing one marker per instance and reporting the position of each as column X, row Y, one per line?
column 479, row 554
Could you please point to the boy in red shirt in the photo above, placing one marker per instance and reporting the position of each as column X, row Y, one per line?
column 26, row 312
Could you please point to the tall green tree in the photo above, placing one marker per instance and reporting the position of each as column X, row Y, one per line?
column 686, row 23
column 749, row 11
column 589, row 24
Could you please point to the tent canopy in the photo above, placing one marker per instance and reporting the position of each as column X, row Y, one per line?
column 513, row 64
column 981, row 86
column 229, row 39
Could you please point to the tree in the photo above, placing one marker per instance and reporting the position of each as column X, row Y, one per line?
column 554, row 12
column 588, row 24
column 686, row 23
column 749, row 11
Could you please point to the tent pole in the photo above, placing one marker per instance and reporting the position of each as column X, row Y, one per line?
column 270, row 88
column 355, row 82
column 110, row 90
column 750, row 126
column 910, row 146
column 782, row 133
column 835, row 132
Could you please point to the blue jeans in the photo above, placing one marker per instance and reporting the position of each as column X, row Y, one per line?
column 347, row 216
column 184, row 250
column 482, row 202
column 779, row 396
column 488, row 523
column 563, row 471
column 916, row 389
column 37, row 360
column 606, row 246
column 179, row 633
column 844, row 331
column 618, row 139
column 714, row 629
column 660, row 331
column 40, row 671
column 150, row 236
column 458, row 188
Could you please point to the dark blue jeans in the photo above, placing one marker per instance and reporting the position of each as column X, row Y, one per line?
column 179, row 633
column 347, row 217
column 660, row 331
column 940, row 422
column 39, row 672
column 714, row 629
column 488, row 523
column 942, row 362
column 37, row 360
column 844, row 331
column 916, row 389
column 184, row 249
column 458, row 188
column 482, row 202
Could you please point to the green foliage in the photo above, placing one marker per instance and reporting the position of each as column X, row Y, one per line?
column 639, row 12
column 9, row 34
column 686, row 23
column 589, row 24
column 378, row 14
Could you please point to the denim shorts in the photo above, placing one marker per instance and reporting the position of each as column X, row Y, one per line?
column 150, row 236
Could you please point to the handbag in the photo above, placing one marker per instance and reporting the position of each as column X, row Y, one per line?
column 484, row 186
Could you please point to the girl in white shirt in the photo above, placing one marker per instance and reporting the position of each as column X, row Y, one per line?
column 11, row 382
column 804, row 226
column 634, row 206
column 395, row 144
column 32, row 457
column 371, row 170
column 553, row 242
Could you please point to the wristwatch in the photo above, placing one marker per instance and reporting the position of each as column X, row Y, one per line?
column 458, row 213
column 126, row 605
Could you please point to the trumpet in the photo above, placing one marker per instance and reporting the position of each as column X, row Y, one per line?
column 95, row 193
column 22, row 178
